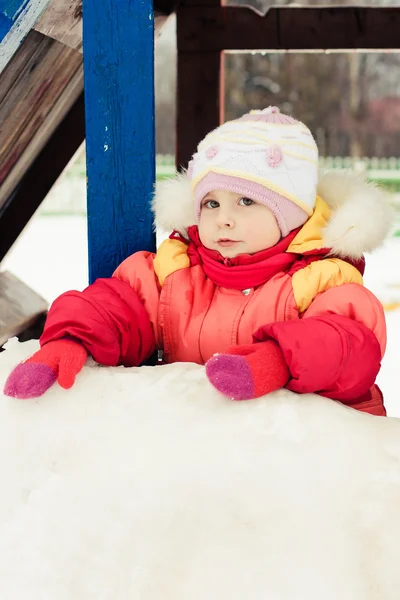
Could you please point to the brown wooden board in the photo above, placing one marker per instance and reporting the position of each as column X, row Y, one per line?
column 41, row 176
column 62, row 21
column 212, row 28
column 19, row 306
column 29, row 91
column 199, row 86
column 198, row 100
column 70, row 94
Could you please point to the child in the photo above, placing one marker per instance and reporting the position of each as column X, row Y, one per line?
column 261, row 279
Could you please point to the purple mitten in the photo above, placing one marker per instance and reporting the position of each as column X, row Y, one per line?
column 249, row 371
column 231, row 375
column 29, row 380
column 60, row 360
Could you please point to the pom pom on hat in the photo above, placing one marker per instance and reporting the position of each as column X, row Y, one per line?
column 265, row 155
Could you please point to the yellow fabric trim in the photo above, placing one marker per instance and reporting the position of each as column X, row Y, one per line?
column 255, row 179
column 171, row 256
column 233, row 137
column 300, row 156
column 310, row 235
column 319, row 276
column 391, row 306
column 236, row 128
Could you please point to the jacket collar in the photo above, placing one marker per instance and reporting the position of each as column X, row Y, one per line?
column 245, row 270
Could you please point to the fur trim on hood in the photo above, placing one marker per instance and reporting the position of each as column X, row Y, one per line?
column 173, row 204
column 361, row 215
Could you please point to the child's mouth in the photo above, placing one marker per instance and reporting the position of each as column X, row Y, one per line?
column 225, row 243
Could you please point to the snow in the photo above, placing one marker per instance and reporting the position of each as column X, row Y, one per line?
column 146, row 483
column 50, row 255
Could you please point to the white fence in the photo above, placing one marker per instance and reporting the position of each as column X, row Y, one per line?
column 68, row 196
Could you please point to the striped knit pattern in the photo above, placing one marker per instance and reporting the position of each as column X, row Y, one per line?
column 266, row 155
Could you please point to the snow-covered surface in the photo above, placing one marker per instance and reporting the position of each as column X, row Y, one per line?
column 382, row 277
column 145, row 483
column 51, row 255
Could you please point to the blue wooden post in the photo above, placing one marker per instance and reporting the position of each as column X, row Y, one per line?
column 17, row 17
column 118, row 52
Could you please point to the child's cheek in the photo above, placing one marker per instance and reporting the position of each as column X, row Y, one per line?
column 203, row 228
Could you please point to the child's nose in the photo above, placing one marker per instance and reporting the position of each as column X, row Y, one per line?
column 225, row 219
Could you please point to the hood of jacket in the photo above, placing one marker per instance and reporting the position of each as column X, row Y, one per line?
column 351, row 215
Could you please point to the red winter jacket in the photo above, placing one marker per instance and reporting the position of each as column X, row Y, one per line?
column 190, row 303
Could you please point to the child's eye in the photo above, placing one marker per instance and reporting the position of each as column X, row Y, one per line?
column 246, row 202
column 211, row 204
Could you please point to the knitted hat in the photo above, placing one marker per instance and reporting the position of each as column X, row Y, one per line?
column 266, row 156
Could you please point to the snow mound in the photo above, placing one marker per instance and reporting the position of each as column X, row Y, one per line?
column 145, row 483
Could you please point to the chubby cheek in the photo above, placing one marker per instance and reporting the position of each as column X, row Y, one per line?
column 205, row 228
column 266, row 236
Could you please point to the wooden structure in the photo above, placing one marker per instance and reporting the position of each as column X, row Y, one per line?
column 42, row 107
column 205, row 28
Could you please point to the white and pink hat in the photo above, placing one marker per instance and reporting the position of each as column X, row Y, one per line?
column 266, row 156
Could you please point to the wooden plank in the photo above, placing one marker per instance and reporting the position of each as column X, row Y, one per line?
column 62, row 21
column 42, row 175
column 204, row 28
column 33, row 49
column 31, row 96
column 118, row 42
column 200, row 103
column 64, row 103
column 17, row 19
column 19, row 306
column 198, row 100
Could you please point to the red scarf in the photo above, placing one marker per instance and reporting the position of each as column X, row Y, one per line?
column 245, row 270
column 250, row 270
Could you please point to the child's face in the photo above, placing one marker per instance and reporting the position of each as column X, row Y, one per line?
column 232, row 224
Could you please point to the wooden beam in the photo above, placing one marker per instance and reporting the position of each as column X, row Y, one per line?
column 217, row 28
column 199, row 86
column 205, row 29
column 118, row 43
column 42, row 175
column 33, row 83
column 165, row 7
column 17, row 17
column 199, row 102
column 64, row 103
column 20, row 306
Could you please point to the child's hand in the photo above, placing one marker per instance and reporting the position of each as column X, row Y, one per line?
column 250, row 371
column 60, row 361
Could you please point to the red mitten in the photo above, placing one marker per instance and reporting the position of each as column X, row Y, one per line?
column 250, row 371
column 60, row 361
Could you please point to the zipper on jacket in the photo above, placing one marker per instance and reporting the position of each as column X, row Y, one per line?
column 235, row 325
